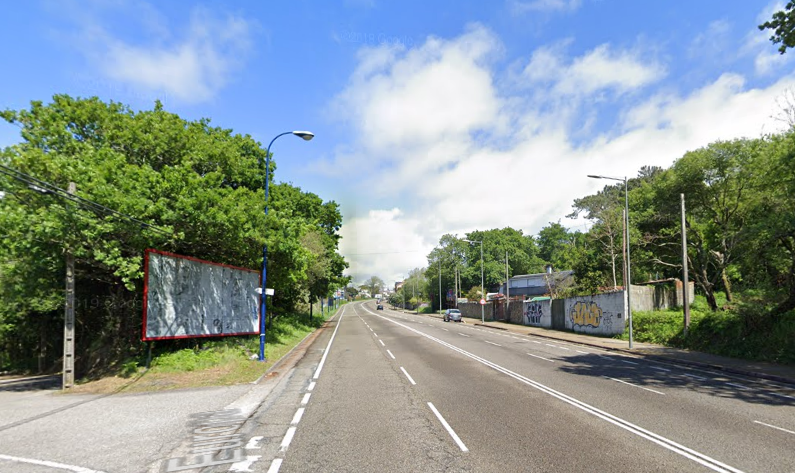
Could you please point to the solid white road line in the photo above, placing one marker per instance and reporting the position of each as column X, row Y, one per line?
column 739, row 386
column 492, row 343
column 449, row 429
column 390, row 354
column 275, row 465
column 637, row 386
column 536, row 356
column 288, row 437
column 305, row 400
column 775, row 427
column 62, row 466
column 407, row 375
column 325, row 353
column 298, row 414
column 664, row 442
column 694, row 376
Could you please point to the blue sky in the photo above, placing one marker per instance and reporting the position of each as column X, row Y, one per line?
column 430, row 117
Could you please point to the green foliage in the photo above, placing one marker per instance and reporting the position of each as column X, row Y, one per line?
column 783, row 26
column 201, row 185
column 746, row 331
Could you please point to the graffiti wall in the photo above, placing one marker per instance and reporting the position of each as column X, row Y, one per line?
column 537, row 314
column 601, row 314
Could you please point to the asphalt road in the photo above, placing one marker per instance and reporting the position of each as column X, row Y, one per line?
column 400, row 392
column 392, row 392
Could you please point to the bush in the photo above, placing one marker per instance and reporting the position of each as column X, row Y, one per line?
column 744, row 331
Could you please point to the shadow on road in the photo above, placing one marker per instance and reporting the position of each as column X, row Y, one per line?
column 32, row 383
column 709, row 383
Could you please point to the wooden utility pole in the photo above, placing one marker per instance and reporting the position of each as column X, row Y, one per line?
column 69, row 316
column 685, row 283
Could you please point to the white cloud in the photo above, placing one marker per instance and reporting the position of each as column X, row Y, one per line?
column 599, row 69
column 408, row 98
column 383, row 243
column 191, row 63
column 757, row 43
column 510, row 159
column 543, row 5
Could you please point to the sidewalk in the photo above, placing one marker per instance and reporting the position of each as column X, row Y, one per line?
column 755, row 369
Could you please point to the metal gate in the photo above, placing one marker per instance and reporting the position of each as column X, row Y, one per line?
column 558, row 314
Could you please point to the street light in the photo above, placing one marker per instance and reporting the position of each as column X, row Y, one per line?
column 306, row 135
column 628, row 282
column 482, row 286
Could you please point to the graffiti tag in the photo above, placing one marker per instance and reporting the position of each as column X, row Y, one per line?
column 586, row 313
column 533, row 314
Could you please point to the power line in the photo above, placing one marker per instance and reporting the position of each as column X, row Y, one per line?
column 46, row 188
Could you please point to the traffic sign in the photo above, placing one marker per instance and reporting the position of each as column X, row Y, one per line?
column 483, row 302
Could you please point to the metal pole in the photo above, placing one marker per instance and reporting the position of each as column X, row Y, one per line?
column 440, row 284
column 685, row 283
column 263, row 297
column 629, row 276
column 69, row 316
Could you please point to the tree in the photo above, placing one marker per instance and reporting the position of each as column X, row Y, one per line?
column 783, row 26
column 374, row 285
column 715, row 180
column 201, row 185
column 770, row 250
column 606, row 210
column 557, row 246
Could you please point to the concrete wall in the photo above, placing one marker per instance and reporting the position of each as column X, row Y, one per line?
column 660, row 296
column 472, row 310
column 537, row 314
column 601, row 314
column 516, row 312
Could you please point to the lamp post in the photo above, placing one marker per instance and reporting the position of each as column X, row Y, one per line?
column 306, row 135
column 482, row 286
column 628, row 282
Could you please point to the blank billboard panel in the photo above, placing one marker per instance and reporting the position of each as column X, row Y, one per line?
column 186, row 297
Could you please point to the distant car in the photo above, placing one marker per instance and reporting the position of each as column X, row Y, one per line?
column 452, row 315
column 379, row 307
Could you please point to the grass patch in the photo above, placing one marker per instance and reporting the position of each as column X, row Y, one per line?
column 742, row 330
column 194, row 363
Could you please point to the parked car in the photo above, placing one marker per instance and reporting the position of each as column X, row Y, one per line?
column 379, row 307
column 452, row 315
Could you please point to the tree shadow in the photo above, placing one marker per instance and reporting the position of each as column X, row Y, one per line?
column 705, row 382
column 38, row 383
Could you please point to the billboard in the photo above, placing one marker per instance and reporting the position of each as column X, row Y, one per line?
column 186, row 297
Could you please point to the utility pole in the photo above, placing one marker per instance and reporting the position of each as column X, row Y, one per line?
column 440, row 284
column 685, row 284
column 507, row 288
column 69, row 315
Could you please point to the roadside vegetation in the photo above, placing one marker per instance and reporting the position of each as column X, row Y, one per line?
column 740, row 331
column 177, row 364
column 197, row 188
